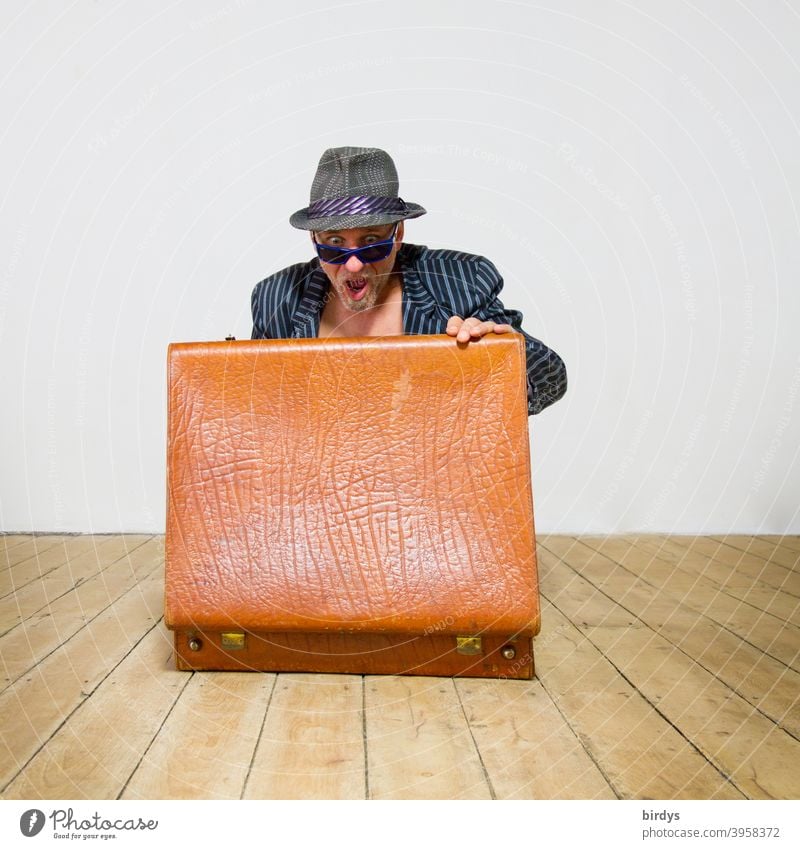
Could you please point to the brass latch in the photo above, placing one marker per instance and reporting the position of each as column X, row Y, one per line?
column 469, row 645
column 233, row 640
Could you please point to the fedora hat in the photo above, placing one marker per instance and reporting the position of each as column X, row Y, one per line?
column 354, row 187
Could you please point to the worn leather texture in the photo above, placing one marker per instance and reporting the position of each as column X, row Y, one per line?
column 373, row 486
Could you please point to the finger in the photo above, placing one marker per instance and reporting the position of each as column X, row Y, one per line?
column 503, row 328
column 482, row 328
column 465, row 331
column 453, row 324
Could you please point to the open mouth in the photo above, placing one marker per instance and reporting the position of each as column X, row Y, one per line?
column 357, row 288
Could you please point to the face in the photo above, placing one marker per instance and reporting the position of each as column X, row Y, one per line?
column 359, row 285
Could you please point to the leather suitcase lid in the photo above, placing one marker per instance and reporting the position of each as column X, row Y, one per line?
column 363, row 485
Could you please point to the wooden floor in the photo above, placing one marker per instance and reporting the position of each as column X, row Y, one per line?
column 668, row 667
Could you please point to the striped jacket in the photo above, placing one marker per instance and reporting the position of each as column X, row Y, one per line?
column 437, row 284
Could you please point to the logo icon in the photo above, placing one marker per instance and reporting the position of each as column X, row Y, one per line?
column 31, row 822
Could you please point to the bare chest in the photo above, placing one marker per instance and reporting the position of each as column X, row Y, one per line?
column 386, row 320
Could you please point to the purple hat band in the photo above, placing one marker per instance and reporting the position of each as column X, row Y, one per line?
column 356, row 205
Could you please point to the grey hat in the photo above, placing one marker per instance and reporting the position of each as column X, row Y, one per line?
column 354, row 187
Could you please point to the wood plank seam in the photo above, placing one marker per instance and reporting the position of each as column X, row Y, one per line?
column 590, row 754
column 633, row 686
column 760, row 614
column 17, row 587
column 66, row 543
column 540, row 645
column 84, row 696
column 786, row 668
column 656, row 710
column 134, row 588
column 57, row 538
column 691, row 766
column 723, row 544
column 721, row 589
column 728, row 728
column 189, row 677
column 55, row 598
column 364, row 735
column 17, row 539
column 683, row 560
column 779, row 585
column 775, row 545
column 311, row 745
column 93, row 754
column 486, row 775
column 420, row 749
column 791, row 541
column 36, row 559
column 260, row 734
column 712, row 672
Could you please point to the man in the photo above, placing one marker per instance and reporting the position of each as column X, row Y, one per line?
column 366, row 282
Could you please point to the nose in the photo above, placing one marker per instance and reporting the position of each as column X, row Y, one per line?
column 354, row 264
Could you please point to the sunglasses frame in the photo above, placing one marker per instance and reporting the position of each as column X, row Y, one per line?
column 342, row 255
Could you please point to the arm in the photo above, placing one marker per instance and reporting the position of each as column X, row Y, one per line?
column 547, row 374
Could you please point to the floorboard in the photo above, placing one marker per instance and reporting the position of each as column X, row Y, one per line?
column 688, row 587
column 32, row 547
column 35, row 706
column 667, row 668
column 41, row 633
column 312, row 743
column 790, row 542
column 769, row 685
column 640, row 752
column 419, row 741
column 204, row 748
column 732, row 734
column 771, row 552
column 95, row 752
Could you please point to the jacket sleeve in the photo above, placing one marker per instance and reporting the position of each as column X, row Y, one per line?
column 274, row 302
column 259, row 325
column 547, row 374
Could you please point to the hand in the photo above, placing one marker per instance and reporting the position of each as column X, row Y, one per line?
column 465, row 329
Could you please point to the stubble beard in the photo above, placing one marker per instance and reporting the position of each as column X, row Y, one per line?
column 375, row 285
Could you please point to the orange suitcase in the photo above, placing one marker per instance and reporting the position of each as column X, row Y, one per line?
column 351, row 505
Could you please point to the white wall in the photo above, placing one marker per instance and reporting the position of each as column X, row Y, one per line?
column 632, row 169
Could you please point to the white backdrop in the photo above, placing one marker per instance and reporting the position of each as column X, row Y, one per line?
column 631, row 168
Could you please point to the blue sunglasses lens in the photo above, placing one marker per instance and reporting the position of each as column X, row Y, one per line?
column 367, row 254
column 338, row 256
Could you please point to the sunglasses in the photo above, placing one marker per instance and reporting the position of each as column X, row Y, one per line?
column 369, row 253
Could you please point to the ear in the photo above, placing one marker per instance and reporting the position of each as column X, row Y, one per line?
column 398, row 236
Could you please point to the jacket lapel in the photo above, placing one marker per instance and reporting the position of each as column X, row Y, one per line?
column 305, row 322
column 421, row 313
